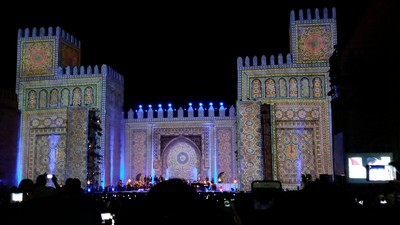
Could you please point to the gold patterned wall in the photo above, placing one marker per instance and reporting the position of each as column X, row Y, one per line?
column 46, row 96
column 181, row 148
column 137, row 158
column 55, row 142
column 181, row 159
column 225, row 157
column 50, row 81
column 300, row 118
column 197, row 137
column 45, row 148
column 314, row 42
column 54, row 116
column 249, row 147
column 301, row 140
column 37, row 58
column 77, row 151
column 296, row 88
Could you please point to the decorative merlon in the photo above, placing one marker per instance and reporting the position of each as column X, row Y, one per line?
column 312, row 17
column 273, row 61
column 104, row 70
column 191, row 113
column 34, row 33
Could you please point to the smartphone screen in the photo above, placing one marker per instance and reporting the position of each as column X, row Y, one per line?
column 17, row 197
column 107, row 218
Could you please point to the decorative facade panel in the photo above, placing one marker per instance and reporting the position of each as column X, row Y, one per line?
column 250, row 158
column 37, row 58
column 225, row 156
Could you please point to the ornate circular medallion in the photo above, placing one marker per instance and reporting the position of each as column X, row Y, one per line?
column 314, row 43
column 182, row 158
column 37, row 57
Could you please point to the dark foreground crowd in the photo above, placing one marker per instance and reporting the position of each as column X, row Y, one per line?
column 175, row 202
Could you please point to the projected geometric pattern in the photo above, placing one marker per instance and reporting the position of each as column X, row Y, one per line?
column 51, row 155
column 250, row 161
column 138, row 157
column 305, row 88
column 282, row 88
column 270, row 89
column 256, row 88
column 224, row 154
column 317, row 87
column 299, row 104
column 292, row 87
column 165, row 138
column 314, row 43
column 37, row 58
column 46, row 94
column 297, row 113
column 77, row 155
column 182, row 161
column 301, row 140
column 60, row 96
column 295, row 154
column 45, row 134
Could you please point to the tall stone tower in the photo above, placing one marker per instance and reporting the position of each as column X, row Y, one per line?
column 283, row 112
column 55, row 96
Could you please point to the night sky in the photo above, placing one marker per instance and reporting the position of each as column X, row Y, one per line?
column 172, row 53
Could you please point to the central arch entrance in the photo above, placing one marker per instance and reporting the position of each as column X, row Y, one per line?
column 181, row 159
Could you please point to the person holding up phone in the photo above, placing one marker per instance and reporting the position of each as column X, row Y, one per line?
column 41, row 189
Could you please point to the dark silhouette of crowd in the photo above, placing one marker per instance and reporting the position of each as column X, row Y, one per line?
column 44, row 204
column 174, row 201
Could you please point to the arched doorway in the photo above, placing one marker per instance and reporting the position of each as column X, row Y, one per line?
column 181, row 159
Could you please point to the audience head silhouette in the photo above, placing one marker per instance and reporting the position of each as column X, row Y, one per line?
column 174, row 201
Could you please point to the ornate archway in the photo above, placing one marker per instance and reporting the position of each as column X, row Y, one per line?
column 181, row 159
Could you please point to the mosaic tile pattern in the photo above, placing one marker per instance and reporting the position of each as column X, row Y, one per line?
column 250, row 159
column 301, row 126
column 44, row 128
column 39, row 54
column 186, row 132
column 181, row 161
column 314, row 43
column 295, row 154
column 256, row 88
column 139, row 156
column 50, row 156
column 225, row 156
column 37, row 58
column 299, row 86
column 77, row 154
column 53, row 96
column 305, row 108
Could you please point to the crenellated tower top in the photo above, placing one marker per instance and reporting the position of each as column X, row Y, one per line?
column 49, row 33
column 312, row 17
column 312, row 35
column 312, row 40
column 41, row 51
